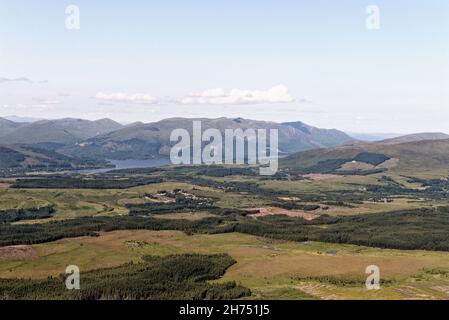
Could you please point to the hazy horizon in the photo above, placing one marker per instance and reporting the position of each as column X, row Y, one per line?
column 380, row 135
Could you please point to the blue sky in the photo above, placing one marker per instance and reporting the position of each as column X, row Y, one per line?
column 140, row 60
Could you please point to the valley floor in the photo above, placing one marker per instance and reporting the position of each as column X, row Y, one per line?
column 93, row 222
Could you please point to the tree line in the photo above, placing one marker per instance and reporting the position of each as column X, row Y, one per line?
column 180, row 277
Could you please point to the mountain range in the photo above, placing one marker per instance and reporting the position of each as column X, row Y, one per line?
column 77, row 143
column 106, row 139
column 152, row 140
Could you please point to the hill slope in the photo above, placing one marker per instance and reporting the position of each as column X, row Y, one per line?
column 16, row 159
column 7, row 126
column 416, row 137
column 62, row 132
column 425, row 156
column 153, row 139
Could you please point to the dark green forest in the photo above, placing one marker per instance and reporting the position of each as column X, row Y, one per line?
column 62, row 182
column 407, row 229
column 182, row 277
column 13, row 215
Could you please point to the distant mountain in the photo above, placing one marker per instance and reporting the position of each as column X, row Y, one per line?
column 416, row 137
column 134, row 124
column 140, row 141
column 8, row 126
column 58, row 132
column 22, row 119
column 424, row 157
column 372, row 137
column 19, row 159
column 319, row 138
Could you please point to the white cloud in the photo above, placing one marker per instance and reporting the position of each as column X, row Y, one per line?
column 277, row 94
column 126, row 97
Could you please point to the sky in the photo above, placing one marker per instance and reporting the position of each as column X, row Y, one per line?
column 330, row 64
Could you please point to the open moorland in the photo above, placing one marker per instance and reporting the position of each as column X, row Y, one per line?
column 224, row 232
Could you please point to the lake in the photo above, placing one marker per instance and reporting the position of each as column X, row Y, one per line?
column 129, row 164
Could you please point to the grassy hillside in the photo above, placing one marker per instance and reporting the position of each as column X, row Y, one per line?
column 21, row 159
column 425, row 157
column 275, row 269
column 170, row 277
column 416, row 137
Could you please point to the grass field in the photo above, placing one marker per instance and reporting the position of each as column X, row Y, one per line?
column 73, row 203
column 271, row 269
column 375, row 207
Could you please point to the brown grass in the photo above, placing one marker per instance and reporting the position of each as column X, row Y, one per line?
column 17, row 253
column 321, row 176
column 356, row 166
column 269, row 211
column 262, row 264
